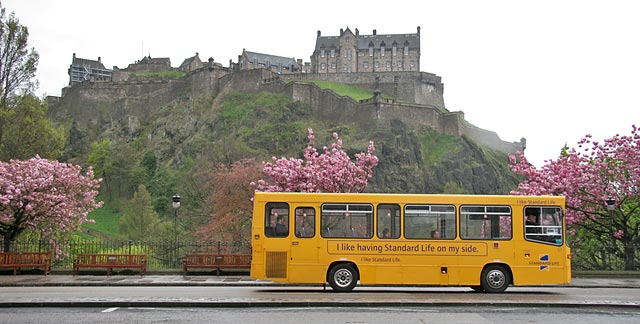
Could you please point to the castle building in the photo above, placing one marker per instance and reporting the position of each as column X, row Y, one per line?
column 191, row 64
column 84, row 70
column 351, row 52
column 279, row 64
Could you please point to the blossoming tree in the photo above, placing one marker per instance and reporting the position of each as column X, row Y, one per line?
column 601, row 182
column 44, row 195
column 330, row 171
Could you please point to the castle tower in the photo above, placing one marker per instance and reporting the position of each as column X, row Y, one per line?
column 351, row 52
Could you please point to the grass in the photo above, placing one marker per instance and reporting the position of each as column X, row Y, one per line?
column 107, row 221
column 165, row 74
column 345, row 90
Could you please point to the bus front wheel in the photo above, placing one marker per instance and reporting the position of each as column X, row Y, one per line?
column 343, row 277
column 495, row 278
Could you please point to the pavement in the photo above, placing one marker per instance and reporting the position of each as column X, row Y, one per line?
column 35, row 293
column 591, row 280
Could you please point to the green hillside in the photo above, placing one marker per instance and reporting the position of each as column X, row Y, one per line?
column 169, row 148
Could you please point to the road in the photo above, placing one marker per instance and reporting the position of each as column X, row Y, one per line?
column 324, row 315
column 297, row 296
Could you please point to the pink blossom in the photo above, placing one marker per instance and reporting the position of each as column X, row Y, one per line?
column 331, row 171
column 49, row 196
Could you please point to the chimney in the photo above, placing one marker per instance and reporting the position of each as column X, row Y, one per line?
column 341, row 31
column 318, row 34
column 99, row 59
column 357, row 32
column 418, row 30
column 374, row 32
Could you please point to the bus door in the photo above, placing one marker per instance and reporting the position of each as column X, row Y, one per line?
column 275, row 248
column 542, row 257
column 304, row 241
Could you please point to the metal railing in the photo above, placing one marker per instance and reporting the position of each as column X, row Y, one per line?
column 166, row 254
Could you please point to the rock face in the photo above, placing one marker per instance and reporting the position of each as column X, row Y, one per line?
column 227, row 116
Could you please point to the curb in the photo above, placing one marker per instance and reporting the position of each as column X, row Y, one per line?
column 302, row 304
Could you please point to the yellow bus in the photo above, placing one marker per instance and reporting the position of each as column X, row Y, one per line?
column 484, row 242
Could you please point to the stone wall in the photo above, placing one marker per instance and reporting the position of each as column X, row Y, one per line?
column 328, row 105
column 412, row 87
column 421, row 102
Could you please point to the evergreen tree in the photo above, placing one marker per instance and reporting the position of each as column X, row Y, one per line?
column 139, row 221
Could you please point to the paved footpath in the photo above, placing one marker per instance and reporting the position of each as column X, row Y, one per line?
column 204, row 280
column 30, row 290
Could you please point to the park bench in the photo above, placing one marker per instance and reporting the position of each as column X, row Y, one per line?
column 19, row 260
column 215, row 261
column 111, row 261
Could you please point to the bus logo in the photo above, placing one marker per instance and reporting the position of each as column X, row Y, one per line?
column 544, row 262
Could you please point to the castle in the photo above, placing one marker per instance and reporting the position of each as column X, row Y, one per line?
column 385, row 64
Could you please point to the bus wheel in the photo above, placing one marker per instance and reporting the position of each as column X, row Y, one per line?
column 495, row 279
column 343, row 277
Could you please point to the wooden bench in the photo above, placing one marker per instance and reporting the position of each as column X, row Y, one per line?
column 111, row 261
column 216, row 261
column 19, row 260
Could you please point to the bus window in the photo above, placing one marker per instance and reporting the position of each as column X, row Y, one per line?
column 276, row 220
column 543, row 224
column 305, row 222
column 485, row 222
column 388, row 221
column 347, row 220
column 430, row 222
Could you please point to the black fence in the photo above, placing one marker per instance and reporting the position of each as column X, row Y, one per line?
column 160, row 255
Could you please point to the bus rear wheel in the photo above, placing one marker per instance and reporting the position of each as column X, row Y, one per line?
column 343, row 277
column 495, row 278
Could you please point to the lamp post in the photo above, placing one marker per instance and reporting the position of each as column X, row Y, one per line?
column 175, row 203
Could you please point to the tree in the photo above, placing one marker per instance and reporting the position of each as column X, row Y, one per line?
column 45, row 195
column 139, row 221
column 592, row 177
column 27, row 132
column 101, row 158
column 230, row 201
column 331, row 171
column 17, row 63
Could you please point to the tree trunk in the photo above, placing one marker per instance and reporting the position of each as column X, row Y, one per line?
column 629, row 256
column 7, row 244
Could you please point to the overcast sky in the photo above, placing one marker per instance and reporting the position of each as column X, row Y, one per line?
column 548, row 71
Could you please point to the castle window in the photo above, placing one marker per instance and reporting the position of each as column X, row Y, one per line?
column 349, row 55
column 333, row 66
column 382, row 48
column 333, row 52
column 322, row 66
column 322, row 53
column 388, row 64
column 400, row 64
column 370, row 48
column 406, row 48
column 365, row 65
column 376, row 64
column 394, row 50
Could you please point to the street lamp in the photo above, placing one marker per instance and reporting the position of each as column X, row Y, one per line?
column 611, row 204
column 175, row 202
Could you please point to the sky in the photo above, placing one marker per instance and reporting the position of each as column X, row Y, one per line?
column 551, row 71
